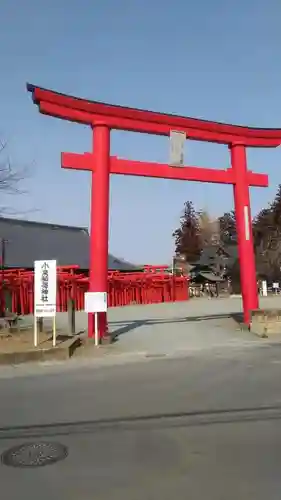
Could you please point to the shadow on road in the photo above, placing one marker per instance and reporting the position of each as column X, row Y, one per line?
column 144, row 422
column 127, row 326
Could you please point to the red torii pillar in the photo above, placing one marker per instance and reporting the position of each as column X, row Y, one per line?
column 99, row 222
column 104, row 117
column 244, row 231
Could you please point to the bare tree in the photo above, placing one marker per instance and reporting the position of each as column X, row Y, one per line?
column 11, row 180
column 268, row 254
column 209, row 229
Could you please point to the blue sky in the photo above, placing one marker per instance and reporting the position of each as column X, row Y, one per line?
column 213, row 59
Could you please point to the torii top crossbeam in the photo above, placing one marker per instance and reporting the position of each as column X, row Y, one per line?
column 137, row 120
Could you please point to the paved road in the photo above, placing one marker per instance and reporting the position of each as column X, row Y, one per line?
column 203, row 426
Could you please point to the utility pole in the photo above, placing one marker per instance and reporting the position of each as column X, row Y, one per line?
column 3, row 261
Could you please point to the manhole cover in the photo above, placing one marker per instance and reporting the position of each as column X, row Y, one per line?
column 34, row 454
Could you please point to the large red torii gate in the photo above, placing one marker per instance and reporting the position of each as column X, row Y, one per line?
column 102, row 118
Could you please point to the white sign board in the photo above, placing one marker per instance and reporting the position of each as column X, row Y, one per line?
column 177, row 143
column 95, row 302
column 45, row 288
column 275, row 285
column 264, row 288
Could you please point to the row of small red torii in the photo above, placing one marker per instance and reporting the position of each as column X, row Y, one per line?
column 103, row 118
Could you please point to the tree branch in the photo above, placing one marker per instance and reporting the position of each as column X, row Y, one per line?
column 11, row 178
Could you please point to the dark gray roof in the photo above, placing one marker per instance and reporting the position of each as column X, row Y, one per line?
column 211, row 277
column 28, row 241
column 232, row 251
column 214, row 254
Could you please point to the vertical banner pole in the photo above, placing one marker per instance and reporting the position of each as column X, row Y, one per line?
column 54, row 332
column 96, row 329
column 35, row 332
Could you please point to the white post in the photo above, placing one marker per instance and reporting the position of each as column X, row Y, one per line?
column 96, row 330
column 54, row 332
column 35, row 341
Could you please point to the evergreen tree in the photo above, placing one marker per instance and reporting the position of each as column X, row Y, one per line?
column 187, row 236
column 227, row 228
column 196, row 232
column 276, row 211
column 267, row 239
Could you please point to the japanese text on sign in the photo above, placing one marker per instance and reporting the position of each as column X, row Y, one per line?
column 45, row 288
column 177, row 143
column 44, row 282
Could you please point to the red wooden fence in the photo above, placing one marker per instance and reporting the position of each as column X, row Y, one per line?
column 154, row 285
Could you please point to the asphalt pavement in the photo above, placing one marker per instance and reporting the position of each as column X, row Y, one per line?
column 206, row 425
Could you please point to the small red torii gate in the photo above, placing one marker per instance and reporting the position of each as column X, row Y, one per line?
column 103, row 118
